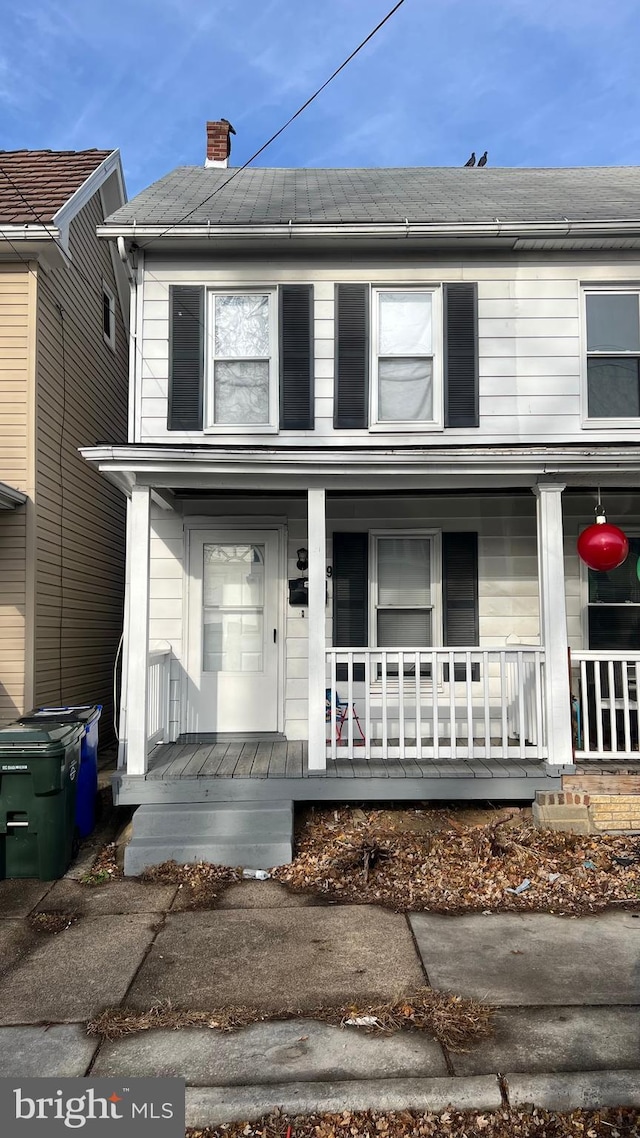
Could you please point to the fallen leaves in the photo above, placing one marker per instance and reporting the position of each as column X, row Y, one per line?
column 497, row 866
column 201, row 881
column 617, row 1122
column 453, row 1021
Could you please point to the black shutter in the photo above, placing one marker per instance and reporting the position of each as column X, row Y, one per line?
column 461, row 355
column 350, row 590
column 186, row 357
column 296, row 356
column 351, row 400
column 460, row 589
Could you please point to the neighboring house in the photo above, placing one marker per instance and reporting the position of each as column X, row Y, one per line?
column 63, row 380
column 415, row 380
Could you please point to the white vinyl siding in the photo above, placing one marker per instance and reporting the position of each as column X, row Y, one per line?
column 530, row 342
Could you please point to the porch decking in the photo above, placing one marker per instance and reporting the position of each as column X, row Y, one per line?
column 248, row 769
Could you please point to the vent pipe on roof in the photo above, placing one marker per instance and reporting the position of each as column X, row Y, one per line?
column 219, row 143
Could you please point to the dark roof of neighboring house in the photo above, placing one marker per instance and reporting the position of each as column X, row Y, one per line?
column 261, row 196
column 43, row 180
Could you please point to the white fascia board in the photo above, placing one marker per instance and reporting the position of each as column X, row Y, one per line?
column 71, row 208
column 10, row 498
column 145, row 463
column 496, row 229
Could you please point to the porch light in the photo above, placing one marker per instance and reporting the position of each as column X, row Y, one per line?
column 303, row 559
column 602, row 546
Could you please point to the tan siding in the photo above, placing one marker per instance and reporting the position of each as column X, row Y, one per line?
column 14, row 409
column 80, row 516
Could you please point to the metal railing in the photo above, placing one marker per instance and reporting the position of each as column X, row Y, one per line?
column 442, row 704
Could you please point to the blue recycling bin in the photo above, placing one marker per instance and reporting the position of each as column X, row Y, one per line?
column 87, row 785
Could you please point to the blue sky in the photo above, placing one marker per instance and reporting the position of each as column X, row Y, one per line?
column 536, row 82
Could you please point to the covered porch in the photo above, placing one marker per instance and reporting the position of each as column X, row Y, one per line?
column 496, row 696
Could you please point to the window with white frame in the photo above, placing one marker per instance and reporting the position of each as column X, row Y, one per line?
column 109, row 317
column 407, row 365
column 405, row 591
column 612, row 319
column 241, row 387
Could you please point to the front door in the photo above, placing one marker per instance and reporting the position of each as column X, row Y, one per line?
column 233, row 649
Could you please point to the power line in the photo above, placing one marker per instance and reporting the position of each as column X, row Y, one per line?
column 282, row 128
column 218, row 190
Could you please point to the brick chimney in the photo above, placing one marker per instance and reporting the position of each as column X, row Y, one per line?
column 219, row 143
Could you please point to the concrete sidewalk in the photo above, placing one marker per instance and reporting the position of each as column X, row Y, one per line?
column 566, row 992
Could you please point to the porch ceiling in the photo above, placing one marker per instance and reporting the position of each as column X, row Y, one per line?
column 435, row 468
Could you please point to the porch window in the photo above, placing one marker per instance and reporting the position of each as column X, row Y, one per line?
column 404, row 602
column 407, row 362
column 614, row 605
column 241, row 388
column 613, row 355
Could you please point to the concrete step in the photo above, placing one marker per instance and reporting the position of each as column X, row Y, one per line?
column 250, row 834
column 261, row 821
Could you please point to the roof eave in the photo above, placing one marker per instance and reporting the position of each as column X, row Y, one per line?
column 10, row 498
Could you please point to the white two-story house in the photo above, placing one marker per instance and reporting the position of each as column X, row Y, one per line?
column 370, row 412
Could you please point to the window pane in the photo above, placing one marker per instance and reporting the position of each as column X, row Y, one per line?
column 107, row 315
column 612, row 323
column 232, row 641
column 613, row 389
column 404, row 571
column 241, row 392
column 614, row 628
column 404, row 324
column 404, row 628
column 232, row 608
column 242, row 326
column 233, row 575
column 405, row 390
column 620, row 585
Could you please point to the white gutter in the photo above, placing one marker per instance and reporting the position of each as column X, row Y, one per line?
column 29, row 232
column 289, row 230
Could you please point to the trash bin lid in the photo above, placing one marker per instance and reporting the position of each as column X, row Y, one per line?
column 42, row 738
column 83, row 713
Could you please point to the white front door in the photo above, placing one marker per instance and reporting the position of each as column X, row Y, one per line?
column 233, row 631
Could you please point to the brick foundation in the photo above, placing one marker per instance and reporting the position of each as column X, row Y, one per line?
column 587, row 813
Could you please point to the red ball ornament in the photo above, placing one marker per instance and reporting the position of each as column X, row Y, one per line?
column 603, row 547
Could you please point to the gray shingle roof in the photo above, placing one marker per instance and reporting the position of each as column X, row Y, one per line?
column 262, row 196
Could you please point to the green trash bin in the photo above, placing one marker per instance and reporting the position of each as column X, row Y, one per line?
column 38, row 777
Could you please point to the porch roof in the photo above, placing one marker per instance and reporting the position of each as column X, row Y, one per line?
column 432, row 468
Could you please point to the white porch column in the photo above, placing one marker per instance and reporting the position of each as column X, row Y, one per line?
column 317, row 547
column 553, row 620
column 138, row 654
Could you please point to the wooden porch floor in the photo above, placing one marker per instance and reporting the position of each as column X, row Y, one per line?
column 251, row 758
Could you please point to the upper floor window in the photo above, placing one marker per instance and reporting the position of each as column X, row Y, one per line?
column 241, row 388
column 109, row 317
column 407, row 360
column 613, row 355
column 240, row 360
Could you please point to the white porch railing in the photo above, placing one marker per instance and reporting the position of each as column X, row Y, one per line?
column 440, row 703
column 606, row 686
column 159, row 665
